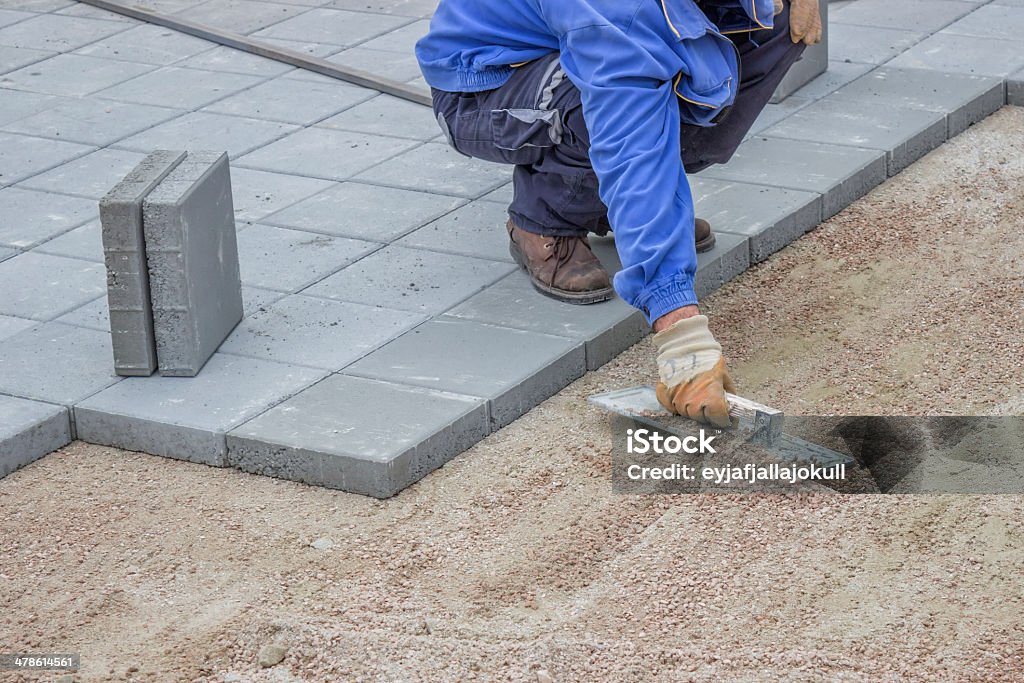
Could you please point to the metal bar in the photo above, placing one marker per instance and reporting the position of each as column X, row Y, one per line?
column 247, row 44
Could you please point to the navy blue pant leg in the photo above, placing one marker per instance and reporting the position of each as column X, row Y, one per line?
column 535, row 121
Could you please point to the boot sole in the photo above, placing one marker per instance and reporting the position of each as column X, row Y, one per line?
column 565, row 296
column 706, row 244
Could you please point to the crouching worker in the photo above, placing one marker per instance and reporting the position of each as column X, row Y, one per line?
column 604, row 106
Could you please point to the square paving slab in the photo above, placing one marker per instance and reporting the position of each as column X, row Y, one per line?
column 84, row 243
column 10, row 326
column 56, row 363
column 334, row 27
column 258, row 194
column 28, row 218
column 904, row 135
column 89, row 176
column 56, row 32
column 29, row 430
column 204, row 130
column 289, row 100
column 92, row 122
column 42, row 287
column 368, row 212
column 148, row 44
column 315, row 332
column 290, row 260
column 840, row 174
column 450, row 172
column 965, row 99
column 477, row 229
column 22, row 156
column 513, row 369
column 956, row 53
column 12, row 58
column 179, row 88
column 320, row 153
column 607, row 329
column 411, row 279
column 359, row 435
column 187, row 418
column 73, row 75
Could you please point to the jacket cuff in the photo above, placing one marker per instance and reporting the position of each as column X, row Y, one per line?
column 664, row 296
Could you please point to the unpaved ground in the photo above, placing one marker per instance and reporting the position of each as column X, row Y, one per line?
column 517, row 558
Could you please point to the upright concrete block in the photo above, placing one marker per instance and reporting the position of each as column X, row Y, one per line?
column 124, row 251
column 812, row 64
column 192, row 251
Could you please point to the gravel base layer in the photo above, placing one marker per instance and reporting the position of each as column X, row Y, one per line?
column 515, row 562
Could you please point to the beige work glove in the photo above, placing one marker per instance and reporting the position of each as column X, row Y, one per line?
column 804, row 21
column 691, row 371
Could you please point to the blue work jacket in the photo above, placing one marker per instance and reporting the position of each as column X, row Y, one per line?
column 642, row 67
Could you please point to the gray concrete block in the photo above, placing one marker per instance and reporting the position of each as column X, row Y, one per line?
column 94, row 316
column 607, row 329
column 964, row 99
column 291, row 101
column 124, row 251
column 237, row 62
column 477, row 229
column 56, row 32
column 1015, row 89
column 257, row 194
column 812, row 63
column 29, row 430
column 187, row 418
column 73, row 75
column 84, row 243
column 241, row 16
column 386, row 115
column 315, row 332
column 910, row 15
column 8, row 17
column 321, row 153
column 729, row 258
column 954, row 53
column 56, row 363
column 18, row 105
column 513, row 369
column 28, row 218
column 203, row 130
column 12, row 58
column 401, row 40
column 147, row 44
column 43, row 287
column 385, row 438
column 90, row 176
column 92, row 122
column 291, row 260
column 333, row 27
column 411, row 280
column 770, row 217
column 841, row 174
column 395, row 66
column 173, row 86
column 838, row 75
column 192, row 253
column 10, row 326
column 22, row 156
column 436, row 167
column 905, row 135
column 870, row 44
column 1003, row 22
column 369, row 212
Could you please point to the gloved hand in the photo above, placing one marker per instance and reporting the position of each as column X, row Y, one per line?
column 805, row 21
column 692, row 375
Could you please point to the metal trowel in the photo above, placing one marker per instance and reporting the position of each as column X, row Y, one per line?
column 752, row 422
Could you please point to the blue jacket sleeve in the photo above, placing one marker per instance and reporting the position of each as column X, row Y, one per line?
column 632, row 116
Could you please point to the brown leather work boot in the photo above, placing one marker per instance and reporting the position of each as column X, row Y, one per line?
column 563, row 268
column 702, row 235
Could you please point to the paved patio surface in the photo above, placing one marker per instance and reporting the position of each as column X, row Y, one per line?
column 387, row 329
